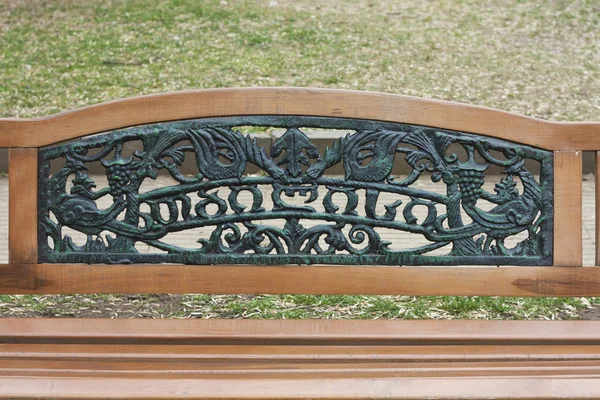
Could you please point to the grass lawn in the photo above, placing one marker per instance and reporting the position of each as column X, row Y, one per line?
column 539, row 58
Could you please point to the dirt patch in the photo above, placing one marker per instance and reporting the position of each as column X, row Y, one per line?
column 592, row 313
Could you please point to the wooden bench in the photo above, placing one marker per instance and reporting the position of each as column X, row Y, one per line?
column 250, row 235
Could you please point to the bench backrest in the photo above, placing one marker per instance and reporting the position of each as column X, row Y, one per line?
column 262, row 216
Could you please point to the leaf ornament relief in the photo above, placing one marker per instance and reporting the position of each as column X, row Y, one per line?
column 295, row 202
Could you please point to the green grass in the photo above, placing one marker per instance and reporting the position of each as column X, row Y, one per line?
column 295, row 307
column 540, row 58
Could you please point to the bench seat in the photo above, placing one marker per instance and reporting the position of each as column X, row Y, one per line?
column 158, row 359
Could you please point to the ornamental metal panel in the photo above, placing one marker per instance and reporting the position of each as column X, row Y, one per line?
column 240, row 205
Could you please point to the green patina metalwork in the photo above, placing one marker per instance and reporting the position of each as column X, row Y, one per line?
column 348, row 235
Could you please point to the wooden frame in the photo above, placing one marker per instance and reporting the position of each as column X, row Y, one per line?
column 568, row 207
column 23, row 194
column 222, row 279
column 597, row 209
column 566, row 139
column 355, row 387
column 20, row 330
column 38, row 132
column 235, row 359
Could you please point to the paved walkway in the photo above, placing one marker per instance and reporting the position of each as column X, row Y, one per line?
column 400, row 239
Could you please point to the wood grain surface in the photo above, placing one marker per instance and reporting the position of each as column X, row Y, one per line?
column 568, row 208
column 245, row 279
column 250, row 331
column 173, row 106
column 236, row 359
column 22, row 207
column 597, row 209
column 476, row 388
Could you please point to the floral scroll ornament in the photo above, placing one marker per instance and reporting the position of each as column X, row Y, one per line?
column 242, row 232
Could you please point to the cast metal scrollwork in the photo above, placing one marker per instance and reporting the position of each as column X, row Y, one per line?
column 319, row 230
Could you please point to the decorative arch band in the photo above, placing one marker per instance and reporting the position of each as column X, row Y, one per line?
column 235, row 211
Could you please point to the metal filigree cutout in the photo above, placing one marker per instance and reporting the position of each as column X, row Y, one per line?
column 340, row 219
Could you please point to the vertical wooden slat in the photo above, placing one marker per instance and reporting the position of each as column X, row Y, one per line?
column 597, row 175
column 568, row 245
column 22, row 212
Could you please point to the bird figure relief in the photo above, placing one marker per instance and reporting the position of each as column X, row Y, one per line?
column 220, row 152
column 515, row 212
column 372, row 155
column 78, row 209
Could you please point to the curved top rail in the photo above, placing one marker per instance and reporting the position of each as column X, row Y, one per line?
column 37, row 132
